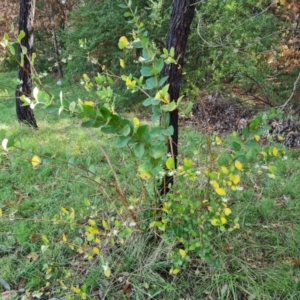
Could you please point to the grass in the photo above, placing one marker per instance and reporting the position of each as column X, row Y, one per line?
column 258, row 261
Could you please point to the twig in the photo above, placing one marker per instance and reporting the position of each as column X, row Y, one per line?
column 293, row 92
column 118, row 185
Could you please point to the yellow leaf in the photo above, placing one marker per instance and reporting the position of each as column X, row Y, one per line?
column 64, row 210
column 92, row 222
column 182, row 253
column 136, row 121
column 96, row 250
column 227, row 211
column 93, row 230
column 75, row 290
column 122, row 63
column 257, row 138
column 165, row 207
column 220, row 191
column 89, row 103
column 223, row 220
column 145, row 175
column 280, row 137
column 215, row 222
column 235, row 179
column 215, row 184
column 263, row 153
column 64, row 238
column 233, row 188
column 1, row 212
column 123, row 42
column 218, row 140
column 275, row 151
column 104, row 224
column 107, row 271
column 174, row 271
column 224, row 170
column 238, row 165
column 229, row 183
column 49, row 270
column 97, row 241
column 35, row 161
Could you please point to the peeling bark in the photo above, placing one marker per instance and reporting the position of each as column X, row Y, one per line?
column 26, row 17
column 179, row 29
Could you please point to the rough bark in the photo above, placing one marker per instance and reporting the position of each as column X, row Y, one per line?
column 26, row 17
column 180, row 23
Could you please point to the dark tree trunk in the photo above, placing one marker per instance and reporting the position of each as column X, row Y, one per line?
column 181, row 19
column 26, row 17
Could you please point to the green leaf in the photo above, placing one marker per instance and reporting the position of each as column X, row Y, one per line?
column 88, row 123
column 125, row 130
column 143, row 133
column 146, row 71
column 122, row 141
column 236, row 146
column 245, row 132
column 139, row 150
column 7, row 143
column 169, row 107
column 108, row 129
column 225, row 160
column 169, row 131
column 252, row 144
column 151, row 83
column 159, row 64
column 170, row 163
column 125, row 233
column 157, row 151
column 21, row 36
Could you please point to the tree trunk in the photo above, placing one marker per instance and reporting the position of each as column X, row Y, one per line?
column 181, row 19
column 26, row 17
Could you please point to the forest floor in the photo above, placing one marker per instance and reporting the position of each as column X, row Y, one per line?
column 259, row 261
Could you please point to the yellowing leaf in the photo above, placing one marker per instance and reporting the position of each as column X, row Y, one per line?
column 170, row 163
column 145, row 175
column 223, row 220
column 49, row 270
column 227, row 211
column 257, row 138
column 224, row 170
column 64, row 238
column 136, row 121
column 104, row 224
column 123, row 42
column 263, row 153
column 182, row 253
column 218, row 140
column 35, row 161
column 174, row 271
column 235, row 179
column 233, row 188
column 89, row 103
column 280, row 137
column 215, row 184
column 93, row 230
column 64, row 210
column 92, row 222
column 165, row 207
column 97, row 241
column 238, row 165
column 215, row 222
column 275, row 151
column 1, row 212
column 107, row 271
column 220, row 191
column 75, row 290
column 96, row 250
column 122, row 63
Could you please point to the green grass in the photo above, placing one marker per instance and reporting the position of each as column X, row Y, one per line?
column 258, row 261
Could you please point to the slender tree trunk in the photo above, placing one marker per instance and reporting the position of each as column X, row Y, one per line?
column 181, row 19
column 26, row 17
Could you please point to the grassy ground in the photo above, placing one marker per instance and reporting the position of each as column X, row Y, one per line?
column 258, row 261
